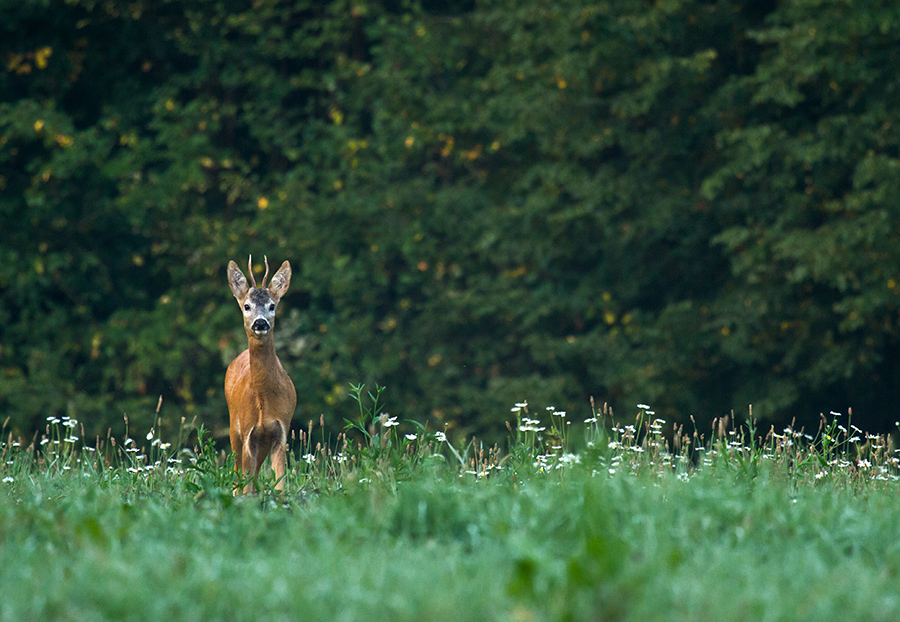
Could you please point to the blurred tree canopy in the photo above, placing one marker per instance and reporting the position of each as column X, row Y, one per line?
column 692, row 204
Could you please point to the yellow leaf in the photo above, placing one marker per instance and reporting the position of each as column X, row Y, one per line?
column 41, row 56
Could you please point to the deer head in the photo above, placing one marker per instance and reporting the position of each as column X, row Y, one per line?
column 258, row 304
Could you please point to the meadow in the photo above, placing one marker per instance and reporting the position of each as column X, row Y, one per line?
column 575, row 518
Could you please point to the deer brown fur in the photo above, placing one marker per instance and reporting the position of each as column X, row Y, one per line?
column 261, row 397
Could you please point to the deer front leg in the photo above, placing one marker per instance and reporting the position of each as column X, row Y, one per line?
column 238, row 451
column 249, row 462
column 279, row 462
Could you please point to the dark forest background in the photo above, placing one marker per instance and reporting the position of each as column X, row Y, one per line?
column 689, row 204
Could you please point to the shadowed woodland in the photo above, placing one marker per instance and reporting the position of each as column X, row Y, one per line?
column 689, row 204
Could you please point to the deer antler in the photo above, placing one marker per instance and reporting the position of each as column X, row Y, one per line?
column 266, row 259
column 250, row 271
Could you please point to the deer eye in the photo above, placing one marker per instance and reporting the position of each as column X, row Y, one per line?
column 246, row 307
column 272, row 306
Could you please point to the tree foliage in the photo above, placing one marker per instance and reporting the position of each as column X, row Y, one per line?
column 686, row 203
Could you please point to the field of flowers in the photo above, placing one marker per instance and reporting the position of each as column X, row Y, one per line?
column 576, row 518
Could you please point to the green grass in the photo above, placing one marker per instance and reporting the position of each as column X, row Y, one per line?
column 603, row 523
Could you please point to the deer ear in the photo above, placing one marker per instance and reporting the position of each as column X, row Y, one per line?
column 281, row 280
column 237, row 281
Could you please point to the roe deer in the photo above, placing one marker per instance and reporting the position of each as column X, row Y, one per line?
column 260, row 395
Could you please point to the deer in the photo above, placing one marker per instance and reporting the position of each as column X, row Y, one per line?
column 261, row 397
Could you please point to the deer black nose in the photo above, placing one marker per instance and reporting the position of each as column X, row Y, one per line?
column 260, row 326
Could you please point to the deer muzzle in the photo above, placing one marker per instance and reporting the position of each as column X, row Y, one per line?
column 260, row 326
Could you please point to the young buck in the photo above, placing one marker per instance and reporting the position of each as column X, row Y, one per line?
column 260, row 395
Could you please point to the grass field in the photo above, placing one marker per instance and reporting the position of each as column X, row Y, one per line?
column 580, row 521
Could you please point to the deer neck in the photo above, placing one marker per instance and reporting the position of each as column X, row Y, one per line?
column 263, row 362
